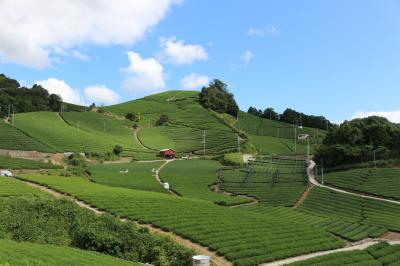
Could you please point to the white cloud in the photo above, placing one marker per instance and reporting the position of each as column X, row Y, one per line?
column 393, row 116
column 101, row 95
column 179, row 53
column 261, row 32
column 194, row 81
column 80, row 56
column 60, row 87
column 31, row 31
column 143, row 75
column 246, row 57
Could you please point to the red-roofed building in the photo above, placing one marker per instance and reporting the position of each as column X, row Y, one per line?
column 168, row 153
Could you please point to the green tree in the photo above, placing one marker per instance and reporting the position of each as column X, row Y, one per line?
column 217, row 97
column 55, row 102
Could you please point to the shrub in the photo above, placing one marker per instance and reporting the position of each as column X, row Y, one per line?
column 118, row 149
column 164, row 119
column 77, row 160
column 132, row 117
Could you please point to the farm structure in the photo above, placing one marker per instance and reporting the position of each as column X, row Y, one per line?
column 168, row 153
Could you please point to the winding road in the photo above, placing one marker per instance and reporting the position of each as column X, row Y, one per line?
column 312, row 180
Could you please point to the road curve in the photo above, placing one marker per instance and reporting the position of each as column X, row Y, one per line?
column 312, row 180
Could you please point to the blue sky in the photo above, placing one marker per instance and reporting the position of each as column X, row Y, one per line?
column 333, row 58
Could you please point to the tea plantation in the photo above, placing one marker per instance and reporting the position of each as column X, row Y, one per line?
column 195, row 184
column 274, row 182
column 24, row 253
column 241, row 236
column 7, row 162
column 383, row 182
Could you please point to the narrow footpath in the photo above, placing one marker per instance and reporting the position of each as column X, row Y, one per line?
column 199, row 249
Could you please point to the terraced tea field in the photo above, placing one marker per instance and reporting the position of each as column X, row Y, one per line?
column 378, row 254
column 195, row 184
column 11, row 187
column 383, row 182
column 7, row 162
column 188, row 120
column 14, row 139
column 243, row 237
column 352, row 208
column 127, row 175
column 273, row 182
column 24, row 253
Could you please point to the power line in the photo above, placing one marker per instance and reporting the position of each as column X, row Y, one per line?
column 204, row 142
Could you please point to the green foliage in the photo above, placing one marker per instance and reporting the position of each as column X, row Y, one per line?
column 77, row 160
column 243, row 237
column 233, row 158
column 7, row 162
column 62, row 222
column 12, row 187
column 132, row 117
column 217, row 97
column 23, row 99
column 164, row 119
column 117, row 150
column 29, row 254
column 355, row 141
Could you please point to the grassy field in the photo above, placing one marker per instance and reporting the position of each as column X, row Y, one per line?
column 24, row 253
column 195, row 183
column 383, row 182
column 14, row 139
column 273, row 182
column 139, row 175
column 338, row 205
column 243, row 237
column 188, row 120
column 7, row 162
column 378, row 254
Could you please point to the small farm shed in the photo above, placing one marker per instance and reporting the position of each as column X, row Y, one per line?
column 5, row 173
column 168, row 153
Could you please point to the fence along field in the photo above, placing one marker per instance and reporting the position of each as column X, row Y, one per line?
column 188, row 120
column 274, row 181
column 383, row 182
column 25, row 253
column 243, row 237
column 191, row 183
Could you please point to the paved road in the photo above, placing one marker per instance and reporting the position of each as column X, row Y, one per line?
column 311, row 178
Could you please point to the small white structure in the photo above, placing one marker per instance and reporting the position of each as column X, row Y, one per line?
column 201, row 260
column 166, row 185
column 6, row 173
column 303, row 136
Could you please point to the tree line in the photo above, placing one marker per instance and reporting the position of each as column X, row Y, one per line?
column 292, row 117
column 360, row 140
column 16, row 98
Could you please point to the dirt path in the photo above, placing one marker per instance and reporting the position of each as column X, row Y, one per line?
column 303, row 197
column 199, row 249
column 136, row 137
column 363, row 245
column 158, row 177
column 311, row 178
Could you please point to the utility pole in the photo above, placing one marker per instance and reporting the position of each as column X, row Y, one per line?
column 104, row 125
column 375, row 158
column 238, row 141
column 78, row 125
column 13, row 117
column 204, row 142
column 9, row 111
column 308, row 146
column 295, row 139
column 322, row 171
